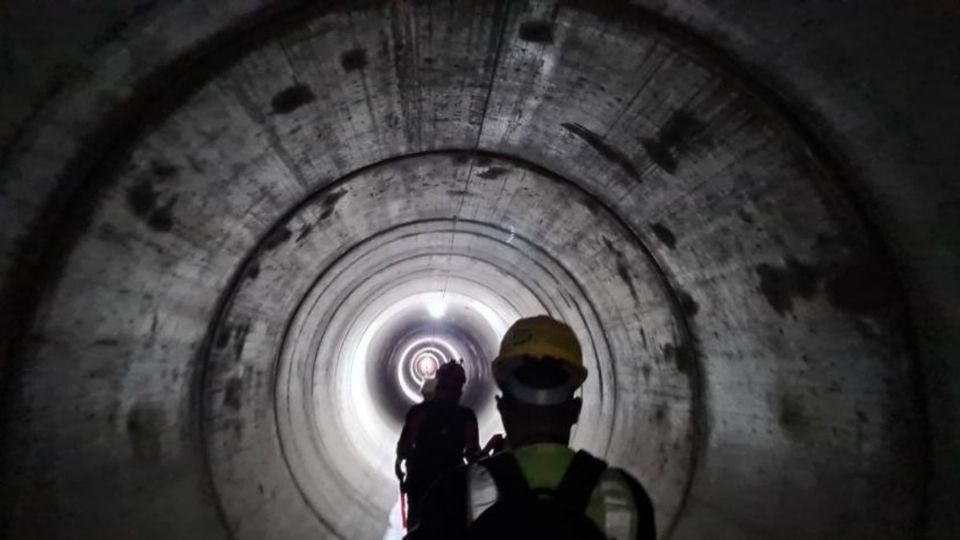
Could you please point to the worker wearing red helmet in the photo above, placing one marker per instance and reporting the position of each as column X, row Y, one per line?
column 540, row 487
column 438, row 435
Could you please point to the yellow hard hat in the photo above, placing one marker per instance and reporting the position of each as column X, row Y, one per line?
column 533, row 353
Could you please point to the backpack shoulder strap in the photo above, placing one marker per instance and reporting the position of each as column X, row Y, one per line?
column 647, row 528
column 506, row 475
column 578, row 482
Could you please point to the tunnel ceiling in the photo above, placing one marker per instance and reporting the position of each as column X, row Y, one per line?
column 223, row 332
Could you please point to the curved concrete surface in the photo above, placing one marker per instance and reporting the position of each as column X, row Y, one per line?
column 237, row 236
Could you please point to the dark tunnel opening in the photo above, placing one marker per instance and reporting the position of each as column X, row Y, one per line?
column 235, row 247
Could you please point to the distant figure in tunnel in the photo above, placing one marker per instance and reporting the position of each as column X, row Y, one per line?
column 438, row 435
column 539, row 488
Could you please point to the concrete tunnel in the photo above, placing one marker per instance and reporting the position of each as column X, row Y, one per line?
column 237, row 234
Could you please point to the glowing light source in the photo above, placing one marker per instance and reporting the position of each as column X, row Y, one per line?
column 426, row 365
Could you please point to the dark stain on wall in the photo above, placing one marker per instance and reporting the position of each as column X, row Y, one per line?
column 329, row 202
column 792, row 415
column 253, row 271
column 493, row 173
column 689, row 306
column 664, row 234
column 622, row 268
column 672, row 140
column 288, row 100
column 143, row 198
column 660, row 414
column 233, row 393
column 304, row 232
column 354, row 59
column 163, row 170
column 276, row 238
column 161, row 220
column 681, row 357
column 536, row 31
column 866, row 287
column 145, row 424
column 604, row 149
column 780, row 285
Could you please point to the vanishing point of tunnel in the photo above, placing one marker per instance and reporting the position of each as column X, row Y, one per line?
column 236, row 236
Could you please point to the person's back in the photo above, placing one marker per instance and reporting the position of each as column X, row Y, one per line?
column 540, row 488
column 441, row 429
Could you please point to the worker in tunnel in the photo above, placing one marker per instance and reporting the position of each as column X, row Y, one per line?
column 540, row 488
column 438, row 435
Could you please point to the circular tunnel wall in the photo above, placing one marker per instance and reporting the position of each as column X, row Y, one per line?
column 224, row 321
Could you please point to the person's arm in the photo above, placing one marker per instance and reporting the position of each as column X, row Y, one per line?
column 405, row 444
column 494, row 445
column 472, row 448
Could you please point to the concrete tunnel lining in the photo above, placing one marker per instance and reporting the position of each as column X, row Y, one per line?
column 787, row 280
column 493, row 253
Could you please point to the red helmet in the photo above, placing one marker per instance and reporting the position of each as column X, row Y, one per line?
column 451, row 376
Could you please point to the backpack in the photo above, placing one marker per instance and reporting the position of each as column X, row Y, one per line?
column 521, row 512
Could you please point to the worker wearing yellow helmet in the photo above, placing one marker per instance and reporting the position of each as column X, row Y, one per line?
column 540, row 487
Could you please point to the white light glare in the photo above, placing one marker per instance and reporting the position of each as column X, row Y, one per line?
column 436, row 306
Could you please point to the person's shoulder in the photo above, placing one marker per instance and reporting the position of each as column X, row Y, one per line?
column 417, row 408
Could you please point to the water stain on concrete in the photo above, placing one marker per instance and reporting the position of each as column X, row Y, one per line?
column 233, row 393
column 233, row 333
column 660, row 414
column 536, row 31
column 161, row 220
column 163, row 170
column 290, row 99
column 304, row 232
column 143, row 199
column 689, row 306
column 792, row 415
column 493, row 173
column 622, row 268
column 664, row 234
column 253, row 271
column 677, row 355
column 604, row 149
column 354, row 59
column 277, row 238
column 145, row 423
column 672, row 140
column 780, row 285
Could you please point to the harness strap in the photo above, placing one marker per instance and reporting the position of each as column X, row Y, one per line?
column 579, row 481
column 507, row 475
